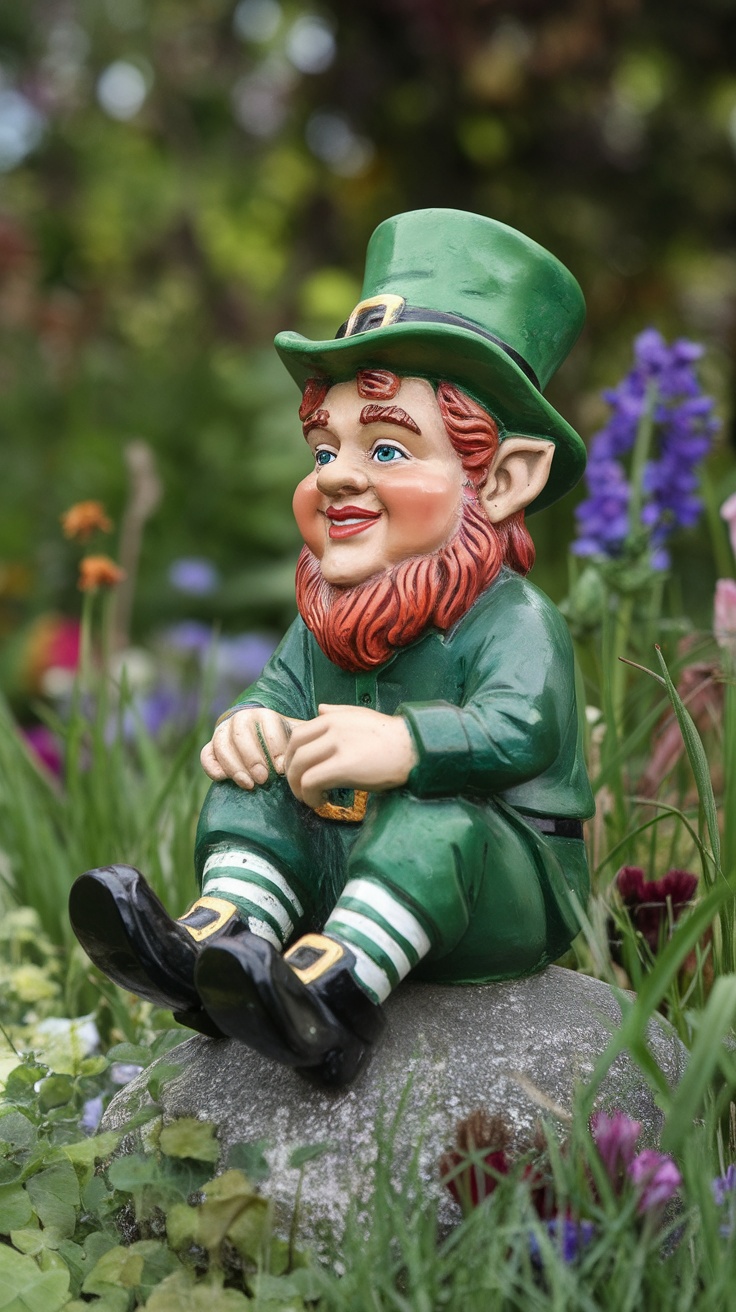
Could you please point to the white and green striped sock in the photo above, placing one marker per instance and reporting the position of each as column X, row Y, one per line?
column 385, row 937
column 259, row 890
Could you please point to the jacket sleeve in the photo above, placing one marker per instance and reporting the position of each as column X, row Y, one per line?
column 285, row 683
column 518, row 698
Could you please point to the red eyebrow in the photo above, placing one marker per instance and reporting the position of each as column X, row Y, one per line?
column 320, row 419
column 388, row 414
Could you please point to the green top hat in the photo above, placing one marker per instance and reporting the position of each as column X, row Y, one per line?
column 454, row 296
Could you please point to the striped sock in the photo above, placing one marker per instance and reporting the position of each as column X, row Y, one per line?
column 262, row 894
column 386, row 938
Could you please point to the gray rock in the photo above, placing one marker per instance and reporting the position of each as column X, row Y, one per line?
column 519, row 1049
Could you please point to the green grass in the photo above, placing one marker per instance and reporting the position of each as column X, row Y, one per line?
column 126, row 796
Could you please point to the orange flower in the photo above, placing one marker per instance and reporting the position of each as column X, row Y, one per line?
column 98, row 572
column 85, row 518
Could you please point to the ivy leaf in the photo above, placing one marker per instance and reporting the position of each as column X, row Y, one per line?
column 250, row 1158
column 119, row 1268
column 54, row 1193
column 25, row 1288
column 55, row 1091
column 19, row 1086
column 188, row 1137
column 16, row 1131
column 135, row 1053
column 86, row 1151
column 213, row 1220
column 180, row 1293
column 309, row 1153
column 15, row 1208
column 134, row 1172
column 164, row 1072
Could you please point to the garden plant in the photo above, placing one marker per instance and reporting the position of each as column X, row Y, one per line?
column 586, row 1217
column 178, row 182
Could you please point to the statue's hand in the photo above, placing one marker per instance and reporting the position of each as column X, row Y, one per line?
column 348, row 747
column 246, row 745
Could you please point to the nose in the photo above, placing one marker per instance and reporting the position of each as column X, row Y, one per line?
column 346, row 473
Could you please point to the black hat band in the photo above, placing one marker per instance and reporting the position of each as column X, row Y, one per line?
column 374, row 316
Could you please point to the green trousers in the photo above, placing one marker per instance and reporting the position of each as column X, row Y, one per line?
column 492, row 893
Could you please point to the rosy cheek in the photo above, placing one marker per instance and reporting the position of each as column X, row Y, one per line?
column 306, row 507
column 423, row 514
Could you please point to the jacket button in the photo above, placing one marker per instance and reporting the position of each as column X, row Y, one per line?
column 365, row 697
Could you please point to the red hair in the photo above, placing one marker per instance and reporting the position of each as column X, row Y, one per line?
column 472, row 432
column 360, row 627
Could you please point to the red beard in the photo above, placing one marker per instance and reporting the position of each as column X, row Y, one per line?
column 361, row 627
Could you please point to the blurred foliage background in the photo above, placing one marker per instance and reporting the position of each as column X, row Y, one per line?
column 182, row 178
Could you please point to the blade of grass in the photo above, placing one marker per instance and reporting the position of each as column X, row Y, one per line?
column 714, row 1024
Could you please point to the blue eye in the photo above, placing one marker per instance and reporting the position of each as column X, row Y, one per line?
column 324, row 458
column 385, row 454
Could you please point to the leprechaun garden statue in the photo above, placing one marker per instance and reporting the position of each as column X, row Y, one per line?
column 402, row 790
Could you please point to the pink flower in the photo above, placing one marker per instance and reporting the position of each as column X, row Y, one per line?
column 656, row 1177
column 728, row 512
column 724, row 609
column 615, row 1138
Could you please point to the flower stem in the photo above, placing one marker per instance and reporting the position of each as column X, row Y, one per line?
column 639, row 458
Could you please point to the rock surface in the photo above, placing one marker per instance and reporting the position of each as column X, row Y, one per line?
column 518, row 1048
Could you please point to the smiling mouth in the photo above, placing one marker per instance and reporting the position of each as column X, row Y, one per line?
column 346, row 521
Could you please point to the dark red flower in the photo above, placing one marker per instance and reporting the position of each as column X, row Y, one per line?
column 470, row 1171
column 654, row 905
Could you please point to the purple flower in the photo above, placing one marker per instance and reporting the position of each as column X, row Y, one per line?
column 662, row 384
column 240, row 660
column 194, row 575
column 724, row 1187
column 656, row 1178
column 91, row 1115
column 190, row 638
column 570, row 1237
column 615, row 1138
column 121, row 1072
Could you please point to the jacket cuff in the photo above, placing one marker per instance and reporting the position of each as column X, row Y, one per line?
column 442, row 746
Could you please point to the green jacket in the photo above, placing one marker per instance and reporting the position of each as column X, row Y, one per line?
column 491, row 704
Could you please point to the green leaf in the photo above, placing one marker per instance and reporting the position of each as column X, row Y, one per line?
column 208, row 1224
column 714, row 1024
column 25, row 1288
column 135, row 1053
column 15, row 1208
column 20, row 1084
column 81, row 1258
column 16, row 1131
column 250, row 1231
column 133, row 1172
column 30, row 1240
column 288, row 1292
column 54, row 1193
column 164, row 1072
column 180, row 1293
column 119, row 1268
column 93, row 1066
column 698, row 762
column 635, row 1016
column 310, row 1153
column 55, row 1091
column 87, row 1151
column 250, row 1158
column 188, row 1137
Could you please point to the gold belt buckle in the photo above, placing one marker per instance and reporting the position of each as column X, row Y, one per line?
column 352, row 814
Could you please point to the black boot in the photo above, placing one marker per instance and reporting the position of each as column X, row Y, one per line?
column 304, row 1009
column 129, row 935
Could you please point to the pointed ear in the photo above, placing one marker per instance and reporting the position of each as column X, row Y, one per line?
column 517, row 475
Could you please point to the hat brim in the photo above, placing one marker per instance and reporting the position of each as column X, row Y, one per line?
column 442, row 352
